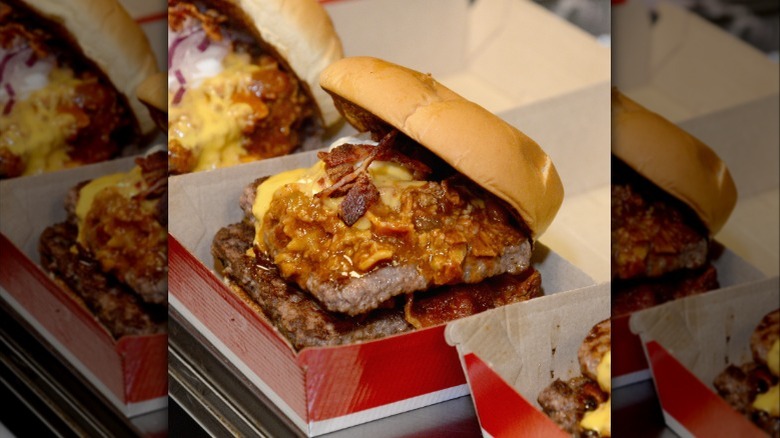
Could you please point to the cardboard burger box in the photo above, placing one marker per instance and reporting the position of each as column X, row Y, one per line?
column 320, row 389
column 482, row 50
column 130, row 372
column 690, row 341
column 725, row 93
column 512, row 353
column 678, row 64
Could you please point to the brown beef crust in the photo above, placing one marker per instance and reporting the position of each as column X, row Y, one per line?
column 293, row 312
column 739, row 386
column 630, row 296
column 593, row 348
column 566, row 403
column 444, row 304
column 114, row 304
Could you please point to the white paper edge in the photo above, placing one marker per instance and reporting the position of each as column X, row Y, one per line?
column 676, row 426
column 365, row 416
column 203, row 330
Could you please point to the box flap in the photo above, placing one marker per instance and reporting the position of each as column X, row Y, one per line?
column 30, row 204
column 386, row 29
column 706, row 332
column 694, row 67
column 532, row 343
column 531, row 52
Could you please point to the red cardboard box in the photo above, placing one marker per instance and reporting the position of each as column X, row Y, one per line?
column 319, row 389
column 690, row 341
column 130, row 372
column 628, row 363
column 512, row 353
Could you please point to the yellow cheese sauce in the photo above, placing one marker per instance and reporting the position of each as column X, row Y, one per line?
column 128, row 184
column 208, row 121
column 600, row 419
column 770, row 401
column 36, row 129
column 389, row 178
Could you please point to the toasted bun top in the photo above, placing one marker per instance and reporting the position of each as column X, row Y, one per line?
column 673, row 160
column 471, row 139
column 153, row 91
column 302, row 33
column 109, row 37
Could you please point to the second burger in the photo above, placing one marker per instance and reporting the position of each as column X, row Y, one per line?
column 429, row 216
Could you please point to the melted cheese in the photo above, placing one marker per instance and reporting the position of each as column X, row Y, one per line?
column 36, row 130
column 604, row 372
column 388, row 177
column 128, row 184
column 207, row 121
column 769, row 401
column 600, row 419
column 773, row 358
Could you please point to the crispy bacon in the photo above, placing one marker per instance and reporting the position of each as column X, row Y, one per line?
column 358, row 199
column 354, row 183
column 210, row 20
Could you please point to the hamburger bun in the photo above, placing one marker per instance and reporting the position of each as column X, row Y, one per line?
column 673, row 160
column 370, row 92
column 108, row 36
column 153, row 92
column 302, row 33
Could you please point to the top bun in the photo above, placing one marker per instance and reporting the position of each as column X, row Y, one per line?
column 153, row 92
column 110, row 38
column 471, row 139
column 303, row 35
column 673, row 160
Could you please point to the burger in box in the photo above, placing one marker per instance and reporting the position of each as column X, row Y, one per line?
column 429, row 216
column 670, row 194
column 68, row 75
column 110, row 254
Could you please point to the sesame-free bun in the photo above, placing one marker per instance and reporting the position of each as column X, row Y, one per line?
column 471, row 139
column 673, row 160
column 303, row 35
column 110, row 38
column 153, row 92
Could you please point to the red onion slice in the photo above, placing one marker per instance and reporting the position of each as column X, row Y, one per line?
column 177, row 97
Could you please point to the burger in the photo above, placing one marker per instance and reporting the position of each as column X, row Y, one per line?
column 582, row 405
column 67, row 96
column 429, row 214
column 110, row 254
column 670, row 194
column 752, row 388
column 242, row 80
